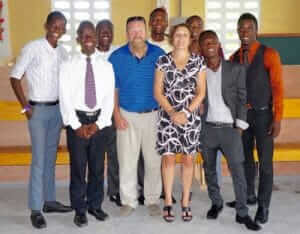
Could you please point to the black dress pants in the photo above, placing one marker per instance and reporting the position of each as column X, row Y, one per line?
column 257, row 134
column 228, row 140
column 113, row 180
column 86, row 153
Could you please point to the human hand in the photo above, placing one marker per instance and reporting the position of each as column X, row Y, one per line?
column 120, row 122
column 179, row 118
column 82, row 131
column 274, row 129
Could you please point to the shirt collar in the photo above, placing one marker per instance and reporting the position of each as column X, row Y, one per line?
column 92, row 56
column 48, row 46
column 251, row 50
column 149, row 48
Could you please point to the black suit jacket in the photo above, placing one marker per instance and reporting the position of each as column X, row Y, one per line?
column 233, row 90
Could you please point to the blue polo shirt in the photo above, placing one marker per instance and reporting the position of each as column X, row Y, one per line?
column 135, row 77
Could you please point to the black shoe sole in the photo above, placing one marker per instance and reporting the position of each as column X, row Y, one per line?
column 80, row 224
column 98, row 218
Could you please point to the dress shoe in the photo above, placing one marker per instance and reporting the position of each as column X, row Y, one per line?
column 250, row 201
column 38, row 220
column 141, row 200
column 99, row 214
column 262, row 215
column 55, row 206
column 162, row 196
column 214, row 212
column 116, row 199
column 80, row 219
column 249, row 223
column 126, row 210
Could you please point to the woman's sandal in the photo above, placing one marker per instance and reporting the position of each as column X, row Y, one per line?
column 169, row 217
column 186, row 214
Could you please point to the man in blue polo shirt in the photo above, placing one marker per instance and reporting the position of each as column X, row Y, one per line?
column 135, row 116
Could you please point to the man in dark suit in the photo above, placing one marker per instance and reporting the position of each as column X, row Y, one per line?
column 224, row 121
column 265, row 111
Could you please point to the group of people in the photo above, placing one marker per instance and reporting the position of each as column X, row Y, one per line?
column 153, row 97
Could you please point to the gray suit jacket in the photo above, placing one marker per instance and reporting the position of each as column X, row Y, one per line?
column 233, row 90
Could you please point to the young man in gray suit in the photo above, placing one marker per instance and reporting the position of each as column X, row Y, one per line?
column 224, row 121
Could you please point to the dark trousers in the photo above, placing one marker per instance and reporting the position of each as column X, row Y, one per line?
column 113, row 180
column 86, row 153
column 257, row 133
column 228, row 140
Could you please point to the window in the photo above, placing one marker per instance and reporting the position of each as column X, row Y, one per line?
column 222, row 16
column 78, row 10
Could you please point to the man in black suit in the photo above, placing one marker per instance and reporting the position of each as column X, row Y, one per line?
column 225, row 119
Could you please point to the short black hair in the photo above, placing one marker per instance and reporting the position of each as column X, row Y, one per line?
column 207, row 33
column 193, row 17
column 248, row 16
column 156, row 10
column 84, row 24
column 55, row 15
column 104, row 22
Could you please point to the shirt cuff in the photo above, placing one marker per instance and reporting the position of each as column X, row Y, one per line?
column 241, row 124
column 102, row 124
column 75, row 125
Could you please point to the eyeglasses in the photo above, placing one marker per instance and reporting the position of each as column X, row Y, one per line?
column 135, row 18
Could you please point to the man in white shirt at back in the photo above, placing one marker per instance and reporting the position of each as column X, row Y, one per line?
column 104, row 32
column 158, row 24
column 39, row 61
column 86, row 92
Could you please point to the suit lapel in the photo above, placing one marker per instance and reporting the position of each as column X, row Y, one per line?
column 225, row 76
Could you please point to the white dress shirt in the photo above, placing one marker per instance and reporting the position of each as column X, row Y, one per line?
column 72, row 89
column 217, row 109
column 165, row 45
column 40, row 63
column 105, row 54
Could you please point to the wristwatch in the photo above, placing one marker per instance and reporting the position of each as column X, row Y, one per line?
column 25, row 109
column 187, row 112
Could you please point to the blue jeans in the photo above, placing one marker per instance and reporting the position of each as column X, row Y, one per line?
column 44, row 127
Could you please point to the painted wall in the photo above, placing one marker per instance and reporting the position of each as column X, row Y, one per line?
column 27, row 17
column 278, row 16
column 26, row 21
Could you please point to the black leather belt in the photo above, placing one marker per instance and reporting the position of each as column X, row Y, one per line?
column 259, row 108
column 52, row 103
column 220, row 125
column 88, row 113
column 147, row 111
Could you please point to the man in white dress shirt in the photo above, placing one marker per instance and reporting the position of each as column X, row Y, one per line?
column 39, row 61
column 104, row 31
column 158, row 24
column 86, row 100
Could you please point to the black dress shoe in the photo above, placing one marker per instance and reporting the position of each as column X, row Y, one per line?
column 262, row 215
column 141, row 200
column 116, row 199
column 55, row 206
column 214, row 212
column 80, row 219
column 250, row 202
column 249, row 223
column 38, row 220
column 99, row 214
